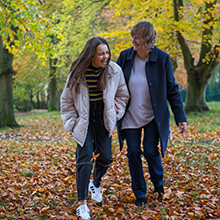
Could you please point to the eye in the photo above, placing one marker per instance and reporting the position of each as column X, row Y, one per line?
column 136, row 38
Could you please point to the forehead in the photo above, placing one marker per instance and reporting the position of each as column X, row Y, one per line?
column 101, row 47
column 137, row 31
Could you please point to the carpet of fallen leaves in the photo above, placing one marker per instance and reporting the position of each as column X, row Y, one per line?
column 38, row 174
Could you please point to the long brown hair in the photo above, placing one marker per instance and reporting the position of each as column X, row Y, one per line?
column 81, row 64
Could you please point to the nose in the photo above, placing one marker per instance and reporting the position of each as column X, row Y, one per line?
column 106, row 55
column 133, row 39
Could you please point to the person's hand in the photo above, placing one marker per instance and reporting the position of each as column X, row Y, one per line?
column 116, row 107
column 182, row 127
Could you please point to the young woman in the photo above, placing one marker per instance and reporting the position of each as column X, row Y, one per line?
column 150, row 80
column 94, row 98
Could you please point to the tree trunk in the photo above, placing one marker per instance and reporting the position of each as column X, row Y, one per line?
column 198, row 75
column 53, row 103
column 31, row 100
column 197, row 81
column 195, row 96
column 38, row 101
column 43, row 101
column 7, row 117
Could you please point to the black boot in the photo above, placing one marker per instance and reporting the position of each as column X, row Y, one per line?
column 160, row 191
column 140, row 202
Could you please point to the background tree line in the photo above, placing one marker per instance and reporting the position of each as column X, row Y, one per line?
column 40, row 39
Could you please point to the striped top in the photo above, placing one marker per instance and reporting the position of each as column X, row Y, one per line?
column 92, row 81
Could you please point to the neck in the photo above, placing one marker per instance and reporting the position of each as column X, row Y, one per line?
column 94, row 68
column 143, row 55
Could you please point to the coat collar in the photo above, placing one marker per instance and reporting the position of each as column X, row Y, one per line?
column 152, row 58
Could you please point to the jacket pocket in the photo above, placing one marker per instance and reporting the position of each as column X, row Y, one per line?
column 110, row 119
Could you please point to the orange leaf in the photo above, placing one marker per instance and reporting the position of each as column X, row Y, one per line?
column 212, row 156
column 94, row 157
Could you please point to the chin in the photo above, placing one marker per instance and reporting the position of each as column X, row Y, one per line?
column 135, row 48
column 104, row 65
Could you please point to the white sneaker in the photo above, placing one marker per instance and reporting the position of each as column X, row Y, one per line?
column 83, row 211
column 95, row 192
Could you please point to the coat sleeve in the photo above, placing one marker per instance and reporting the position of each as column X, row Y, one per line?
column 122, row 95
column 173, row 94
column 119, row 60
column 69, row 113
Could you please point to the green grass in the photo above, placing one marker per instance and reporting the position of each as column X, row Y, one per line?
column 34, row 116
column 41, row 114
column 206, row 121
column 214, row 112
column 203, row 116
column 28, row 173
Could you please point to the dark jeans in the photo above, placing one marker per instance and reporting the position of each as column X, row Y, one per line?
column 97, row 142
column 150, row 152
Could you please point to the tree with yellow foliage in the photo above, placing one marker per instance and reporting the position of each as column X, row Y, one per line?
column 21, row 26
column 186, row 29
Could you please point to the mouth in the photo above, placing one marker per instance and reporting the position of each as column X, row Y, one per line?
column 104, row 62
column 135, row 45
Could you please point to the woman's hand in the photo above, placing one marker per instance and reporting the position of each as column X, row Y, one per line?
column 182, row 127
column 116, row 107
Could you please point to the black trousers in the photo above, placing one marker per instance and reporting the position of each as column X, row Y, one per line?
column 151, row 154
column 97, row 142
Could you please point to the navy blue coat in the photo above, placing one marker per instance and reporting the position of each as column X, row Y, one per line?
column 163, row 89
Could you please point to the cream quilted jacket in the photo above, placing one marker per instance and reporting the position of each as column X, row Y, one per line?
column 75, row 106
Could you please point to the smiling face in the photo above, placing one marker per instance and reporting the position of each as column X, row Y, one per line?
column 101, row 56
column 137, row 43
